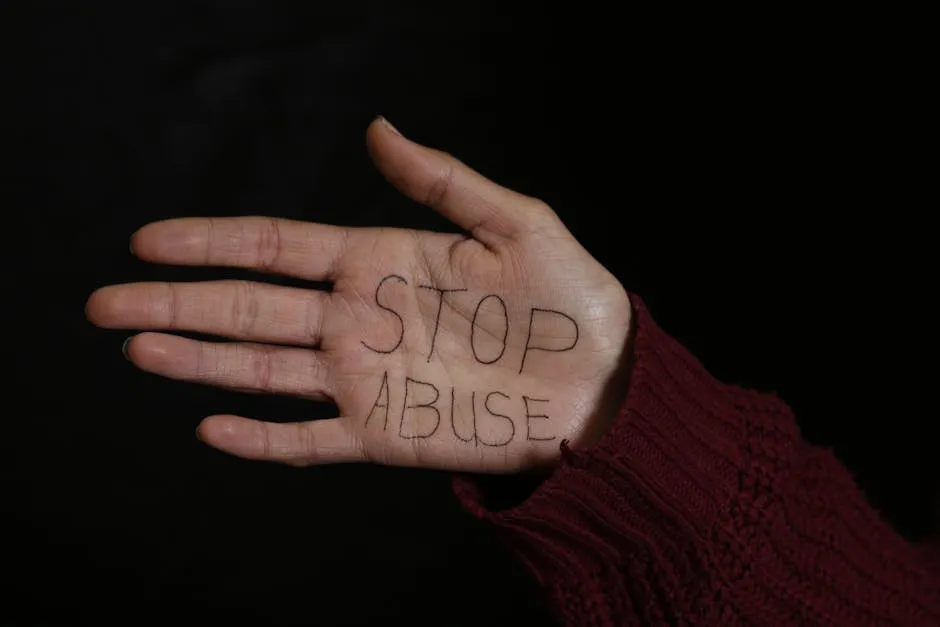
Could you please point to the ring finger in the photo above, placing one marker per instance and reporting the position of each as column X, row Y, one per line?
column 241, row 366
column 241, row 310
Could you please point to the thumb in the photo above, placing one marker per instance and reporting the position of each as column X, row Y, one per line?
column 489, row 212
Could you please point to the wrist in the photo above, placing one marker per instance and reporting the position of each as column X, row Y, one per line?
column 614, row 391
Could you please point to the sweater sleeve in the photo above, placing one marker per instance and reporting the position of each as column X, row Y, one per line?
column 703, row 506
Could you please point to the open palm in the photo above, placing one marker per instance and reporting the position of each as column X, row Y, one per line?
column 477, row 352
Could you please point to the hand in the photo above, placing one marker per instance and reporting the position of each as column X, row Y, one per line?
column 477, row 352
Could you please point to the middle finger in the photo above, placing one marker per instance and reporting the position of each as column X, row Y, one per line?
column 242, row 310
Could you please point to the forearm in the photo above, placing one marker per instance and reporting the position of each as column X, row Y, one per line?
column 702, row 502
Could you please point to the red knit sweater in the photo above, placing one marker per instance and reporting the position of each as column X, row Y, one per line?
column 702, row 506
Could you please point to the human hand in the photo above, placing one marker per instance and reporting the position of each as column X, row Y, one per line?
column 477, row 352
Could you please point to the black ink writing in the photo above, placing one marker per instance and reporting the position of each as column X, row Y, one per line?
column 401, row 322
column 528, row 341
column 430, row 405
column 512, row 425
column 440, row 308
column 422, row 409
column 377, row 404
column 537, row 316
column 453, row 411
column 473, row 328
column 529, row 416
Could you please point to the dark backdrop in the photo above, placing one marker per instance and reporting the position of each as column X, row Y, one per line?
column 746, row 176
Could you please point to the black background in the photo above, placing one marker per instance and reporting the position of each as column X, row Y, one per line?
column 750, row 176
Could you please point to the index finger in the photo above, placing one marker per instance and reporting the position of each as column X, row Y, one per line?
column 299, row 249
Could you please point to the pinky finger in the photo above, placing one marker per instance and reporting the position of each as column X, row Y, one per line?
column 294, row 443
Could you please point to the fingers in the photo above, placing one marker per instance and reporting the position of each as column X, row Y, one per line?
column 299, row 249
column 237, row 309
column 246, row 367
column 297, row 443
column 484, row 209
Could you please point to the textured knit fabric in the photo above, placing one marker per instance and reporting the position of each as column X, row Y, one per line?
column 703, row 506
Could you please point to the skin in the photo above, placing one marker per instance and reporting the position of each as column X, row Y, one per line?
column 336, row 345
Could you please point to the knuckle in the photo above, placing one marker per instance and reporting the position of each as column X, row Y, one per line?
column 440, row 186
column 540, row 206
column 265, row 440
column 207, row 362
column 173, row 304
column 540, row 211
column 359, row 447
column 543, row 221
column 262, row 370
column 268, row 245
column 378, row 453
column 211, row 241
column 306, row 445
column 245, row 306
column 317, row 372
column 313, row 317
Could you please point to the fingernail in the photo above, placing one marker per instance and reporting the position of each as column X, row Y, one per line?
column 124, row 348
column 389, row 126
